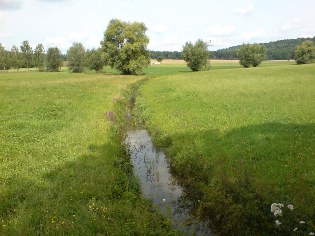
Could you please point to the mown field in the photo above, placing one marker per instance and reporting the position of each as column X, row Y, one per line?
column 241, row 139
column 63, row 170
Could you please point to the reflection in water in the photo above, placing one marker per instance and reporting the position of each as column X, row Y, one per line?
column 152, row 169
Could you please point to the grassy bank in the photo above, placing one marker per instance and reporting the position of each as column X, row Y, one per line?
column 242, row 139
column 63, row 170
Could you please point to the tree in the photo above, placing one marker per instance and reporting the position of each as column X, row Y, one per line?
column 305, row 52
column 251, row 54
column 94, row 59
column 196, row 55
column 159, row 59
column 39, row 57
column 4, row 58
column 27, row 54
column 16, row 58
column 53, row 59
column 125, row 46
column 75, row 56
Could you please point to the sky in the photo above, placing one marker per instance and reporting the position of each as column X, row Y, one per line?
column 170, row 23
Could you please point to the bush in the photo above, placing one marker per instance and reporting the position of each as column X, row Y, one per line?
column 94, row 60
column 305, row 52
column 251, row 54
column 75, row 57
column 196, row 55
column 53, row 59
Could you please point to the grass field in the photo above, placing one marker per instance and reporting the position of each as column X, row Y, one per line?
column 63, row 170
column 242, row 139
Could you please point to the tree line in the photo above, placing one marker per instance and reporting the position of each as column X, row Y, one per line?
column 124, row 47
column 277, row 50
column 51, row 60
column 173, row 55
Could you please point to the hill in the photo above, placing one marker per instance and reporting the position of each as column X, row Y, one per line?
column 277, row 50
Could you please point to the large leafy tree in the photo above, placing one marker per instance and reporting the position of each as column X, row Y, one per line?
column 27, row 54
column 53, row 59
column 196, row 55
column 75, row 56
column 251, row 54
column 125, row 46
column 16, row 58
column 305, row 52
column 39, row 57
column 94, row 59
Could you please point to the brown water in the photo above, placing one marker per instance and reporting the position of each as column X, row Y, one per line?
column 153, row 170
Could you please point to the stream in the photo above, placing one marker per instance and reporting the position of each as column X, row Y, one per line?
column 152, row 169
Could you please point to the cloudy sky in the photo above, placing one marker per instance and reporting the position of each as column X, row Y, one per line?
column 170, row 23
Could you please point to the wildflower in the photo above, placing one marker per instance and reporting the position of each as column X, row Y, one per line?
column 278, row 222
column 302, row 222
column 278, row 212
column 311, row 233
column 291, row 207
column 164, row 200
column 275, row 207
column 295, row 229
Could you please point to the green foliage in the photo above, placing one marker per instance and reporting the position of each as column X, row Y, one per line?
column 160, row 59
column 53, row 59
column 27, row 54
column 174, row 55
column 16, row 58
column 196, row 55
column 75, row 56
column 305, row 52
column 251, row 55
column 39, row 57
column 240, row 140
column 125, row 46
column 94, row 59
column 4, row 59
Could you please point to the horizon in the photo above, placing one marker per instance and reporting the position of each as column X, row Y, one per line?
column 170, row 24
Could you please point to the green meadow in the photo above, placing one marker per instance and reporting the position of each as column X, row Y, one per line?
column 238, row 139
column 63, row 170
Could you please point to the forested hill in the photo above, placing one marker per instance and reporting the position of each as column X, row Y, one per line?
column 278, row 50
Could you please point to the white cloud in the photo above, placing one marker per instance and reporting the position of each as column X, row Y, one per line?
column 53, row 1
column 160, row 28
column 1, row 17
column 61, row 42
column 216, row 42
column 168, row 43
column 292, row 25
column 10, row 4
column 255, row 34
column 244, row 11
column 89, row 40
column 4, row 35
column 220, row 30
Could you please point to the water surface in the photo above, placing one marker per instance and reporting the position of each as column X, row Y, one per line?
column 158, row 185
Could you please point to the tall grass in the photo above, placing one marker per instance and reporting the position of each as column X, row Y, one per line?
column 241, row 139
column 63, row 170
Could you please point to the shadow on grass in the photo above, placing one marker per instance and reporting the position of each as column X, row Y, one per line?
column 237, row 175
column 96, row 194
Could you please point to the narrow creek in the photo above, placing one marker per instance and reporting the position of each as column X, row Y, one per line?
column 153, row 171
